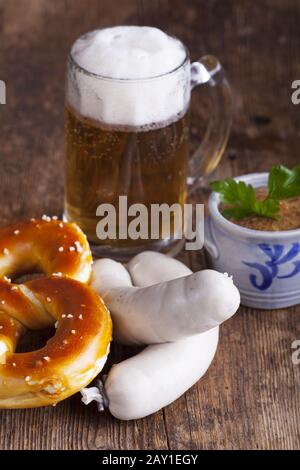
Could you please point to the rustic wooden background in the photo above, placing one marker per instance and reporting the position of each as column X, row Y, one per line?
column 250, row 397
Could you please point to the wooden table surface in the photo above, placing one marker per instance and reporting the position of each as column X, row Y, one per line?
column 249, row 399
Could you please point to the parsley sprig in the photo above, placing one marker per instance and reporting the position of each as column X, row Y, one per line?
column 242, row 200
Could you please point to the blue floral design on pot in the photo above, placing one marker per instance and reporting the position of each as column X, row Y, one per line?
column 271, row 269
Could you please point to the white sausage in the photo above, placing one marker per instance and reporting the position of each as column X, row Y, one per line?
column 158, row 375
column 168, row 311
column 161, row 373
column 151, row 267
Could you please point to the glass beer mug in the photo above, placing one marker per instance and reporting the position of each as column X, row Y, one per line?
column 127, row 131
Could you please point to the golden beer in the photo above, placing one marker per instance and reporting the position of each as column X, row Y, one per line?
column 146, row 164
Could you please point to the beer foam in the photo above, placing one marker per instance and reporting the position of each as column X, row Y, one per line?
column 128, row 52
column 129, row 76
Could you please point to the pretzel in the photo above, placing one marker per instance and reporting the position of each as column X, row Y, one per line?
column 78, row 350
column 71, row 358
column 46, row 245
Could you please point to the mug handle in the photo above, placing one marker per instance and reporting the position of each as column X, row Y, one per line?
column 208, row 155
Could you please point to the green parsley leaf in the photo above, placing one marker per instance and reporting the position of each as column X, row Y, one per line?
column 267, row 208
column 236, row 213
column 284, row 183
column 235, row 192
column 242, row 199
